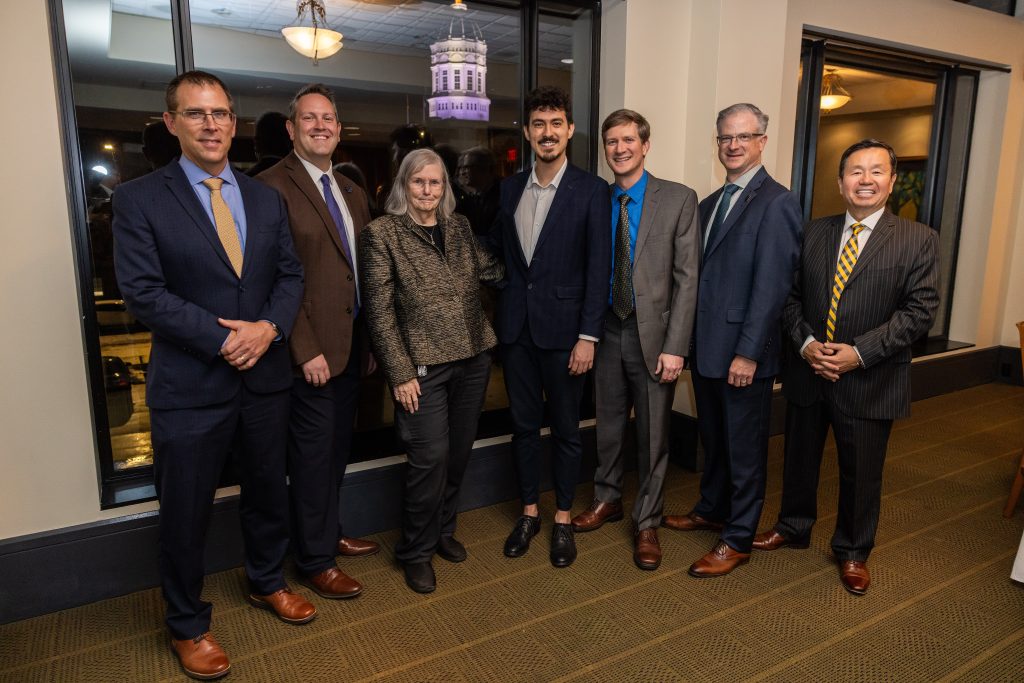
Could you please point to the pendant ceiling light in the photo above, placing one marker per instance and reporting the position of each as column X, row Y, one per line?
column 458, row 4
column 316, row 42
column 833, row 94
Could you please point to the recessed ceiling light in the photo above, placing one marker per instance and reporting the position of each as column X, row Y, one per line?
column 567, row 60
column 221, row 11
column 354, row 135
column 351, row 127
column 108, row 146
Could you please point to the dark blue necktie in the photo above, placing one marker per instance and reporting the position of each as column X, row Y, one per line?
column 339, row 222
column 723, row 209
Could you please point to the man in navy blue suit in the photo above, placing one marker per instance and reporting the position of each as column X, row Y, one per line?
column 751, row 230
column 204, row 259
column 552, row 232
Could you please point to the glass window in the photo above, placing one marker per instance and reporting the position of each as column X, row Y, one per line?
column 565, row 44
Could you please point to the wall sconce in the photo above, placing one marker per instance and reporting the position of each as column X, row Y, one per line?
column 833, row 94
column 315, row 42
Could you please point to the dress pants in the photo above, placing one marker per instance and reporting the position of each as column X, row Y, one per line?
column 861, row 446
column 439, row 440
column 319, row 445
column 733, row 424
column 622, row 381
column 190, row 448
column 531, row 373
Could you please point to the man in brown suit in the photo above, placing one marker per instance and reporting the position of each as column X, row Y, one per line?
column 326, row 211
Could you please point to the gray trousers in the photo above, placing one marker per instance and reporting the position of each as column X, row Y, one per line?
column 622, row 381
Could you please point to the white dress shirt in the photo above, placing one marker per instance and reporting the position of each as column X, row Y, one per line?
column 533, row 209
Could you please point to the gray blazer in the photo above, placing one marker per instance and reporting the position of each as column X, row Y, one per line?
column 665, row 267
column 889, row 301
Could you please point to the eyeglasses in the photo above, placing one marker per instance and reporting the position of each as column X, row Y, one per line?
column 420, row 183
column 742, row 138
column 311, row 118
column 220, row 116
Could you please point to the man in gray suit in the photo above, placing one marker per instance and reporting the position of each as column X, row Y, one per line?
column 655, row 233
column 866, row 290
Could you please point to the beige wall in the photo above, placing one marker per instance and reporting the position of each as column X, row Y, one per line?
column 677, row 61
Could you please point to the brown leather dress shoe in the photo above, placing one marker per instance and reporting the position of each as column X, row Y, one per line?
column 773, row 540
column 646, row 549
column 334, row 584
column 720, row 561
column 290, row 608
column 689, row 522
column 596, row 515
column 855, row 576
column 356, row 547
column 201, row 657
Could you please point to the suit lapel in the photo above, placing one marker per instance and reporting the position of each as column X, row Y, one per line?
column 558, row 204
column 826, row 263
column 883, row 231
column 647, row 215
column 300, row 176
column 518, row 184
column 746, row 196
column 179, row 186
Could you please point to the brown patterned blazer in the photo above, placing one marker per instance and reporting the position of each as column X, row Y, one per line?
column 324, row 323
column 422, row 307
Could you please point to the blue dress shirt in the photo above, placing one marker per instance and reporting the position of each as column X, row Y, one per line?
column 634, row 209
column 229, row 191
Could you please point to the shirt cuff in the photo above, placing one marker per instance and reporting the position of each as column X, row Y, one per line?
column 860, row 358
column 588, row 338
column 807, row 342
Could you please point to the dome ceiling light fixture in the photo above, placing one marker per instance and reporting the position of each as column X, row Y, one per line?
column 316, row 42
column 833, row 94
column 459, row 5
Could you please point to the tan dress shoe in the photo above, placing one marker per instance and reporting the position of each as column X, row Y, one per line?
column 356, row 547
column 646, row 549
column 720, row 561
column 689, row 522
column 201, row 657
column 334, row 584
column 596, row 515
column 773, row 540
column 855, row 576
column 290, row 608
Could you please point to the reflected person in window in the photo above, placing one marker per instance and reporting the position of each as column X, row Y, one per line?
column 421, row 274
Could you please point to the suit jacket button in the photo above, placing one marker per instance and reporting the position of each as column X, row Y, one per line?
column 529, row 286
column 349, row 277
column 348, row 309
column 241, row 289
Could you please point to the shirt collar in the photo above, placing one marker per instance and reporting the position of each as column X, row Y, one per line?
column 314, row 172
column 554, row 183
column 869, row 223
column 635, row 192
column 197, row 175
column 745, row 179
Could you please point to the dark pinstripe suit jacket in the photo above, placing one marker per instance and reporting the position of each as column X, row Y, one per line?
column 889, row 301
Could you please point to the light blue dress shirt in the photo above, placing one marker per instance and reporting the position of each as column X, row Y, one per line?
column 229, row 190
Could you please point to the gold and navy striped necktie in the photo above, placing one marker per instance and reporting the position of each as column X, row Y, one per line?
column 847, row 260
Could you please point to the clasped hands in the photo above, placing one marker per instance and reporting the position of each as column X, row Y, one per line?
column 831, row 359
column 246, row 342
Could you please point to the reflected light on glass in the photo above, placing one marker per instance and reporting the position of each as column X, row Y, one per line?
column 102, row 170
column 109, row 147
column 459, row 5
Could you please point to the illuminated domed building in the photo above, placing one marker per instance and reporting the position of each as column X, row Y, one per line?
column 458, row 67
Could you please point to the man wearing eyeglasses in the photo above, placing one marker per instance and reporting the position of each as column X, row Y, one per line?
column 204, row 259
column 326, row 212
column 751, row 243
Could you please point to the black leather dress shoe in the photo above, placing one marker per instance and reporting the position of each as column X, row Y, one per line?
column 419, row 576
column 563, row 545
column 518, row 542
column 450, row 549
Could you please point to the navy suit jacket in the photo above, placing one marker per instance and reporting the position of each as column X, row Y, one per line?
column 177, row 280
column 746, row 273
column 563, row 292
column 889, row 301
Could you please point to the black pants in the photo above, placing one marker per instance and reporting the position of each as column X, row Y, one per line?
column 861, row 446
column 319, row 445
column 733, row 425
column 439, row 440
column 531, row 373
column 190, row 447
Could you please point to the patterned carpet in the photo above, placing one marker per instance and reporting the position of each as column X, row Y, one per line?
column 941, row 606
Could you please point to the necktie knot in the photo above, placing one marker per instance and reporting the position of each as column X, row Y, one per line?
column 325, row 180
column 729, row 190
column 214, row 184
column 623, row 199
column 857, row 227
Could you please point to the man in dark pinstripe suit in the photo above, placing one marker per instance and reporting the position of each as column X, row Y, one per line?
column 867, row 288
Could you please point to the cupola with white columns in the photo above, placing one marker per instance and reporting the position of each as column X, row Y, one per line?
column 458, row 69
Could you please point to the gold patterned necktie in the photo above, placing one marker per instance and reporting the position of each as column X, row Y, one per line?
column 847, row 260
column 225, row 224
column 622, row 280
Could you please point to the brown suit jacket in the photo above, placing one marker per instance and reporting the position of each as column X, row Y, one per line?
column 324, row 323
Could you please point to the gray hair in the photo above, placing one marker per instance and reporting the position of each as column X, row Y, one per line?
column 739, row 108
column 414, row 162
